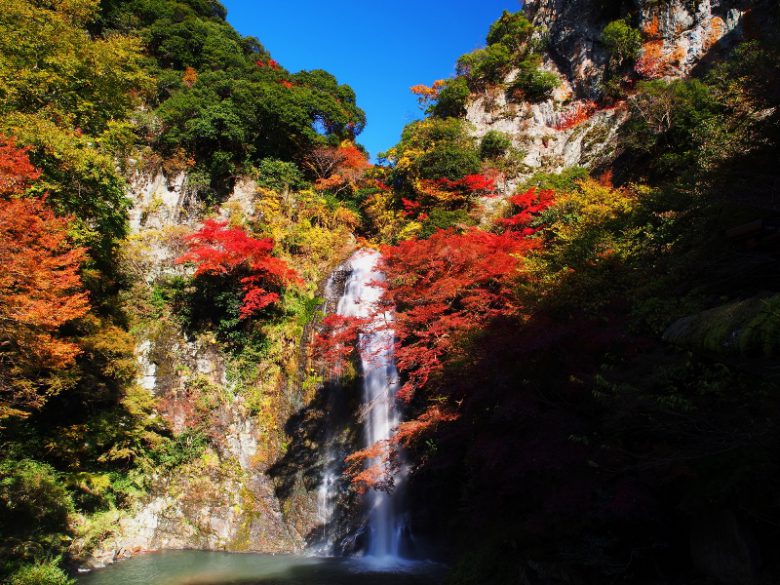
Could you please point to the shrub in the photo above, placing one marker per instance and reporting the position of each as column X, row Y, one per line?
column 40, row 574
column 563, row 182
column 511, row 30
column 622, row 41
column 186, row 447
column 34, row 506
column 450, row 161
column 494, row 145
column 532, row 83
column 279, row 176
column 486, row 65
column 452, row 100
column 442, row 219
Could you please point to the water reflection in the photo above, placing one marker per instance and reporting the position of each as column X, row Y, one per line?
column 207, row 568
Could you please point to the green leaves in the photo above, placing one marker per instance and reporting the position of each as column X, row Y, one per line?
column 622, row 41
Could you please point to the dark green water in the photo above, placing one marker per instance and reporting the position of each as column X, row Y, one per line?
column 207, row 568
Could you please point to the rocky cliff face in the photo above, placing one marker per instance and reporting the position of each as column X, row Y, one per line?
column 225, row 500
column 678, row 36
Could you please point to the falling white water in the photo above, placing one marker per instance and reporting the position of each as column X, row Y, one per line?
column 380, row 384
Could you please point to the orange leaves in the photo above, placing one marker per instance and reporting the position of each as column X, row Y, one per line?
column 652, row 28
column 40, row 285
column 367, row 468
column 651, row 64
column 16, row 170
column 339, row 168
column 426, row 95
column 573, row 118
column 370, row 468
column 40, row 291
column 220, row 250
column 190, row 77
column 432, row 193
column 410, row 431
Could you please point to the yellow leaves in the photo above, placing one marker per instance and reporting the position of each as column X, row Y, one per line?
column 410, row 230
column 596, row 203
column 53, row 67
column 190, row 77
column 346, row 217
column 78, row 12
column 405, row 162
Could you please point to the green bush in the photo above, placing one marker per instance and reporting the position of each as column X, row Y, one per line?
column 562, row 182
column 533, row 83
column 444, row 219
column 451, row 161
column 186, row 447
column 488, row 65
column 40, row 574
column 34, row 507
column 673, row 122
column 494, row 145
column 452, row 99
column 622, row 41
column 511, row 30
column 279, row 175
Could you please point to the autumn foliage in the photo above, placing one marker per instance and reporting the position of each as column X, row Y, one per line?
column 526, row 208
column 338, row 169
column 40, row 289
column 16, row 170
column 217, row 249
column 447, row 193
column 427, row 94
column 582, row 112
column 443, row 288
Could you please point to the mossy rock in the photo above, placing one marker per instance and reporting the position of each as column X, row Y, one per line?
column 750, row 327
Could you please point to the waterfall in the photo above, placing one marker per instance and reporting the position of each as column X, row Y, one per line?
column 380, row 384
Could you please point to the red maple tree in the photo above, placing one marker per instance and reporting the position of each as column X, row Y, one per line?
column 526, row 208
column 217, row 249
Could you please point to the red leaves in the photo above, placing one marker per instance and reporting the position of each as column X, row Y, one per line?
column 219, row 250
column 271, row 64
column 527, row 207
column 468, row 186
column 573, row 118
column 476, row 184
column 367, row 468
column 17, row 173
column 448, row 193
column 337, row 339
column 286, row 83
column 411, row 208
column 443, row 288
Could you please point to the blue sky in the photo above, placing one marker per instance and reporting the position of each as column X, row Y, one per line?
column 380, row 48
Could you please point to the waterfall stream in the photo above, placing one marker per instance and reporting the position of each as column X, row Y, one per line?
column 379, row 413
